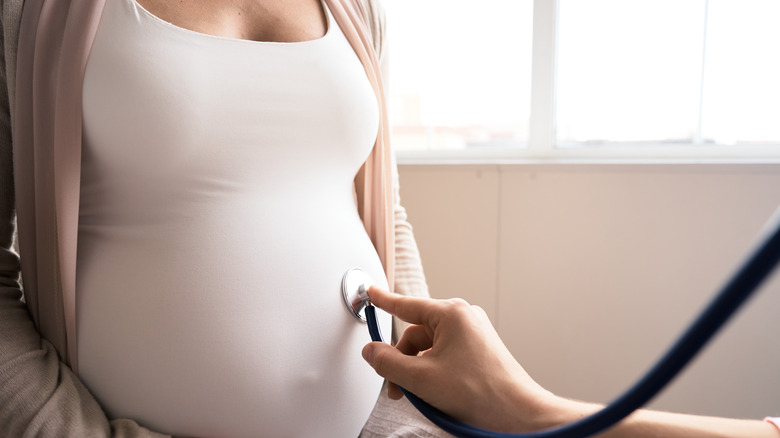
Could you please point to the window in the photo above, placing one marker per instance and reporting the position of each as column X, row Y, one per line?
column 453, row 84
column 602, row 78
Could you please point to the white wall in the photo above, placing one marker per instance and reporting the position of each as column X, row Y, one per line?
column 591, row 271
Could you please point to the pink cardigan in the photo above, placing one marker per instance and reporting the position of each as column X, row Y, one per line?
column 54, row 43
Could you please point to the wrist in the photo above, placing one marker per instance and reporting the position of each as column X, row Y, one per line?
column 525, row 406
column 560, row 411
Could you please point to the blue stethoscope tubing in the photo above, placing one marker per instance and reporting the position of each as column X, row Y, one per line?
column 725, row 304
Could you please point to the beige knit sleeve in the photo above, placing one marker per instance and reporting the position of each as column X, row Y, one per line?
column 409, row 275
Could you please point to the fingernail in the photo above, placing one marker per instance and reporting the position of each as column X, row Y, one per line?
column 367, row 350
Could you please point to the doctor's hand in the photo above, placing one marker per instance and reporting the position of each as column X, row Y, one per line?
column 452, row 358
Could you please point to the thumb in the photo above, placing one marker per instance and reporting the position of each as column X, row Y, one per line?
column 390, row 363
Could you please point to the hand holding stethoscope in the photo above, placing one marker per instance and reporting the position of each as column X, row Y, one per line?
column 468, row 374
column 465, row 370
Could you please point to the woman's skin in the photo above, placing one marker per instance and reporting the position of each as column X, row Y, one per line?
column 255, row 20
column 453, row 358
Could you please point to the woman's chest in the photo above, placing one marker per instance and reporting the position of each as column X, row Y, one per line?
column 257, row 20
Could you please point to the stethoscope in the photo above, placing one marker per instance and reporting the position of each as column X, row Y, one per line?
column 740, row 286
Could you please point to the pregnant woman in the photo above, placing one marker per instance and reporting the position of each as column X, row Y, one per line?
column 190, row 181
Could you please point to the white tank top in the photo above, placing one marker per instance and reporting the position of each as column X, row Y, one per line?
column 217, row 218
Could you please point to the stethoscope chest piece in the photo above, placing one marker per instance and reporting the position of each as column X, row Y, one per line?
column 354, row 285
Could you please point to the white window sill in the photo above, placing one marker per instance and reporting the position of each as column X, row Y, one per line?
column 650, row 154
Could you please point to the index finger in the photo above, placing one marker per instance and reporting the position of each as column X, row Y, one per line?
column 414, row 310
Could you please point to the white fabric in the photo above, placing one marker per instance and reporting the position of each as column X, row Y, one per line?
column 399, row 419
column 216, row 220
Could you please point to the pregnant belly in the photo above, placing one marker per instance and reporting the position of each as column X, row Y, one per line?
column 233, row 326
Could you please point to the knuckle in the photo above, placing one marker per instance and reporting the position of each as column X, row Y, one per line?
column 459, row 302
column 458, row 308
column 479, row 311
